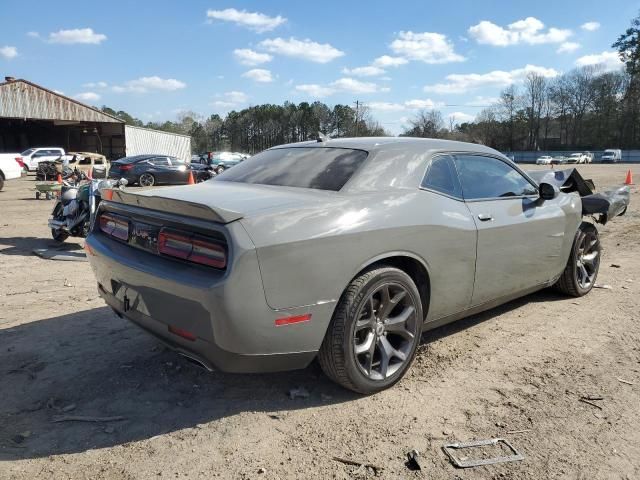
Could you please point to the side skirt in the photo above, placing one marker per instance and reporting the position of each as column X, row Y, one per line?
column 483, row 307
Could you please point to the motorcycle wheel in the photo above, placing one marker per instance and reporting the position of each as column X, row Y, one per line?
column 59, row 235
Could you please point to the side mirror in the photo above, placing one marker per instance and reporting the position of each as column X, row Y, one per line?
column 548, row 191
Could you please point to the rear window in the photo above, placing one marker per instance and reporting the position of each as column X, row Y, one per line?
column 322, row 168
column 27, row 152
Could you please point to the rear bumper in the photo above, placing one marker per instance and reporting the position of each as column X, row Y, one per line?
column 227, row 312
column 208, row 354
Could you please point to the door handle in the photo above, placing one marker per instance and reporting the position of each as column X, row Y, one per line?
column 485, row 217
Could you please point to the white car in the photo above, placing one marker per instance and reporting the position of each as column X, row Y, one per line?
column 544, row 160
column 32, row 156
column 577, row 158
column 10, row 167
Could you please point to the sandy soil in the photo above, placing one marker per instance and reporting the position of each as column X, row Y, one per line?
column 520, row 368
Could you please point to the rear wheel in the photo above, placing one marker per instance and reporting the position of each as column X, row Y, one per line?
column 220, row 169
column 1, row 182
column 374, row 333
column 146, row 180
column 581, row 271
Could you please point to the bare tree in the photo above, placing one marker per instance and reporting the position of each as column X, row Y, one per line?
column 426, row 124
column 535, row 95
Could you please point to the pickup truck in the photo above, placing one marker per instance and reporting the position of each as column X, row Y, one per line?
column 11, row 166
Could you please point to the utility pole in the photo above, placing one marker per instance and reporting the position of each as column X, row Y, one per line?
column 357, row 116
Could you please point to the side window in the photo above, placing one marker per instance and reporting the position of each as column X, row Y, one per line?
column 486, row 177
column 441, row 177
column 98, row 161
column 160, row 161
column 85, row 161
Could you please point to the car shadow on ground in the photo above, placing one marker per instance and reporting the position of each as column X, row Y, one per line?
column 25, row 245
column 92, row 363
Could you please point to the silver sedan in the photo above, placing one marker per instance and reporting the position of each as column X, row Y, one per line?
column 345, row 250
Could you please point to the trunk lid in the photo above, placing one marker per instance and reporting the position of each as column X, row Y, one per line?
column 220, row 201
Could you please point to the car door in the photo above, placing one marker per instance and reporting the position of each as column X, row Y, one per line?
column 159, row 167
column 179, row 171
column 520, row 237
column 449, row 239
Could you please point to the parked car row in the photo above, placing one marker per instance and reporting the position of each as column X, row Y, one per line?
column 219, row 161
column 150, row 170
column 611, row 155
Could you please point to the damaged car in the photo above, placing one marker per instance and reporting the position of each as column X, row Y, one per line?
column 342, row 250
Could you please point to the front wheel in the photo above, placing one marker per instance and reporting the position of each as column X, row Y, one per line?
column 146, row 180
column 374, row 333
column 59, row 235
column 581, row 271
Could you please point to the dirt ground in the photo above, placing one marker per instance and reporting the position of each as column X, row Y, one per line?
column 518, row 372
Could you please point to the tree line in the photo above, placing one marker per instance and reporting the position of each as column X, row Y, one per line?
column 584, row 109
column 259, row 127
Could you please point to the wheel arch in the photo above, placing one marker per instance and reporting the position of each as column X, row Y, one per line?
column 409, row 263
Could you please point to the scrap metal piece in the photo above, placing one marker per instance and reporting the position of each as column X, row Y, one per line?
column 450, row 448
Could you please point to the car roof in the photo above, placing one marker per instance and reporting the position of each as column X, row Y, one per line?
column 376, row 144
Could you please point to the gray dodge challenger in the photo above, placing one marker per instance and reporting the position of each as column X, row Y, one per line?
column 344, row 250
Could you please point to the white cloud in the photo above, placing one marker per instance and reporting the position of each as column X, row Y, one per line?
column 352, row 85
column 315, row 90
column 77, row 35
column 95, row 85
column 345, row 84
column 415, row 104
column 87, row 97
column 426, row 47
column 369, row 71
column 590, row 26
column 568, row 47
column 420, row 104
column 248, row 57
column 33, row 34
column 480, row 100
column 386, row 61
column 259, row 75
column 461, row 117
column 258, row 22
column 529, row 30
column 609, row 61
column 304, row 49
column 8, row 52
column 460, row 83
column 147, row 84
column 230, row 99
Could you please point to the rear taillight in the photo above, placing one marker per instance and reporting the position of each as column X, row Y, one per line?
column 114, row 226
column 124, row 168
column 20, row 162
column 193, row 248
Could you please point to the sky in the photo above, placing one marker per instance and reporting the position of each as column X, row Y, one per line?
column 156, row 59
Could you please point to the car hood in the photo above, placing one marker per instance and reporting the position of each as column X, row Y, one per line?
column 223, row 202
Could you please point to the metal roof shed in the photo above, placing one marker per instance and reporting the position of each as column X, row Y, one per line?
column 33, row 116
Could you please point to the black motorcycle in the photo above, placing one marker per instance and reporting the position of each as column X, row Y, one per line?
column 74, row 211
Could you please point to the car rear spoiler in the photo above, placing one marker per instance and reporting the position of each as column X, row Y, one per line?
column 605, row 205
column 178, row 207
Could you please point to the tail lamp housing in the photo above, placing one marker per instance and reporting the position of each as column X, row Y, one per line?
column 192, row 248
column 115, row 226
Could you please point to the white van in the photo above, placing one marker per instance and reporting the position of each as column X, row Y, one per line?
column 611, row 155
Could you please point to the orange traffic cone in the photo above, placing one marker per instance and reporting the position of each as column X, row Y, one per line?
column 629, row 179
column 59, row 180
column 191, row 181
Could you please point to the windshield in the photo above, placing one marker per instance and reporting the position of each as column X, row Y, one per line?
column 28, row 152
column 321, row 168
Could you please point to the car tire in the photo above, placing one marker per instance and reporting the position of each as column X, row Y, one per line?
column 59, row 235
column 220, row 169
column 581, row 271
column 1, row 182
column 146, row 180
column 372, row 370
